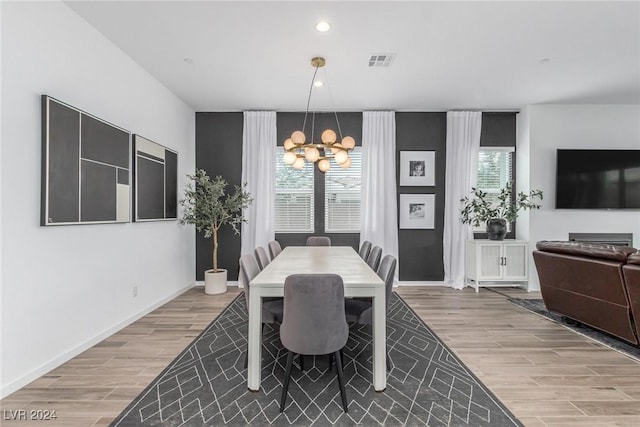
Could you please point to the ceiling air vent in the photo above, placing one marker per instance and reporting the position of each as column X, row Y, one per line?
column 381, row 59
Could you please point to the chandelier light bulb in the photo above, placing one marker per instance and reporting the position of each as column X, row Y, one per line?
column 336, row 147
column 288, row 144
column 348, row 142
column 341, row 157
column 298, row 137
column 347, row 164
column 299, row 163
column 324, row 165
column 289, row 158
column 312, row 154
column 329, row 136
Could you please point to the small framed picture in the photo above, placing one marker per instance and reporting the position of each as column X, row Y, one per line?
column 417, row 211
column 417, row 168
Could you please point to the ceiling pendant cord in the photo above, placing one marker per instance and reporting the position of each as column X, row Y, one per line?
column 313, row 80
column 335, row 113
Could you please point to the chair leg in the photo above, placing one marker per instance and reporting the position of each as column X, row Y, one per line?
column 343, row 392
column 301, row 362
column 388, row 362
column 287, row 377
column 330, row 360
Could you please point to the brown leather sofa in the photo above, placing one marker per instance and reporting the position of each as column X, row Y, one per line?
column 596, row 284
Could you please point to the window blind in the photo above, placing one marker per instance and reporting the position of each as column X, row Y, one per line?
column 342, row 196
column 294, row 207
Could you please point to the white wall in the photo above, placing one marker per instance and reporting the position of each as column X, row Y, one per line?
column 576, row 126
column 65, row 288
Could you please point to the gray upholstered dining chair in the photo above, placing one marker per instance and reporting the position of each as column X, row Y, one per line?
column 314, row 322
column 262, row 257
column 360, row 310
column 365, row 248
column 373, row 260
column 274, row 248
column 318, row 241
column 271, row 307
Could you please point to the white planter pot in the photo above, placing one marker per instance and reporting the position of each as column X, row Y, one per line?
column 215, row 283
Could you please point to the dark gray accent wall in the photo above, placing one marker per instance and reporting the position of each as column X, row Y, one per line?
column 498, row 130
column 420, row 251
column 350, row 124
column 219, row 152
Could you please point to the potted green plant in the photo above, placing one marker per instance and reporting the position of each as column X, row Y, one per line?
column 208, row 206
column 496, row 211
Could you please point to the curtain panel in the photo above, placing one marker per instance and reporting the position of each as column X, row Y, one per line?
column 379, row 207
column 259, row 173
column 463, row 145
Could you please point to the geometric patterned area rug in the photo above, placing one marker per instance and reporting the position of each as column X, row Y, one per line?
column 537, row 306
column 206, row 384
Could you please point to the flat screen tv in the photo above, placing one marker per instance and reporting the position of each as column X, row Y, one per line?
column 598, row 179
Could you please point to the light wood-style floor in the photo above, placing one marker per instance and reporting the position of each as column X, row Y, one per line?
column 545, row 374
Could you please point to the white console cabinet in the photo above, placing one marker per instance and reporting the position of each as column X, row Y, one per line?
column 496, row 263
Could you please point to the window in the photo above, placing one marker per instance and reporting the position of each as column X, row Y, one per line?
column 294, row 198
column 342, row 196
column 296, row 190
column 495, row 170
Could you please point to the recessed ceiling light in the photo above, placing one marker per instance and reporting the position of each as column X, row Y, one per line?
column 318, row 83
column 323, row 26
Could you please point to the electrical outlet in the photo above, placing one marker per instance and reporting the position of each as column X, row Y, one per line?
column 135, row 291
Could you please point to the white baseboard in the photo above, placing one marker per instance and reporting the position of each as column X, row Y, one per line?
column 419, row 283
column 16, row 385
column 233, row 283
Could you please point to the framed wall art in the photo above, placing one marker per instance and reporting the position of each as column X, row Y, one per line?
column 417, row 211
column 86, row 164
column 417, row 168
column 155, row 181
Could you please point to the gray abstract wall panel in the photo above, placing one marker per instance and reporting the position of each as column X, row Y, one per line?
column 156, row 181
column 85, row 167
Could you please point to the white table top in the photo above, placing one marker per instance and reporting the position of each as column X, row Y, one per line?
column 341, row 260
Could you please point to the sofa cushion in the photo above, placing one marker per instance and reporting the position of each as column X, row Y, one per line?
column 590, row 250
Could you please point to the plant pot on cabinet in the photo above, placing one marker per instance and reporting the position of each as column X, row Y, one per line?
column 215, row 282
column 496, row 228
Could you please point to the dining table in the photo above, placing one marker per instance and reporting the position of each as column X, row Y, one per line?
column 359, row 281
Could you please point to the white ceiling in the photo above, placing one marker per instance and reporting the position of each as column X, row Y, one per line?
column 449, row 55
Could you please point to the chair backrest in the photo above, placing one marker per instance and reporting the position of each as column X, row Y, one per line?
column 365, row 248
column 249, row 269
column 274, row 248
column 386, row 271
column 373, row 260
column 318, row 241
column 262, row 257
column 314, row 320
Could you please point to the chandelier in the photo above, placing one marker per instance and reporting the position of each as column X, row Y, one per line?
column 298, row 149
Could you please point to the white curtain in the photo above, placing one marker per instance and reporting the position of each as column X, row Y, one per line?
column 461, row 172
column 259, row 172
column 379, row 215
